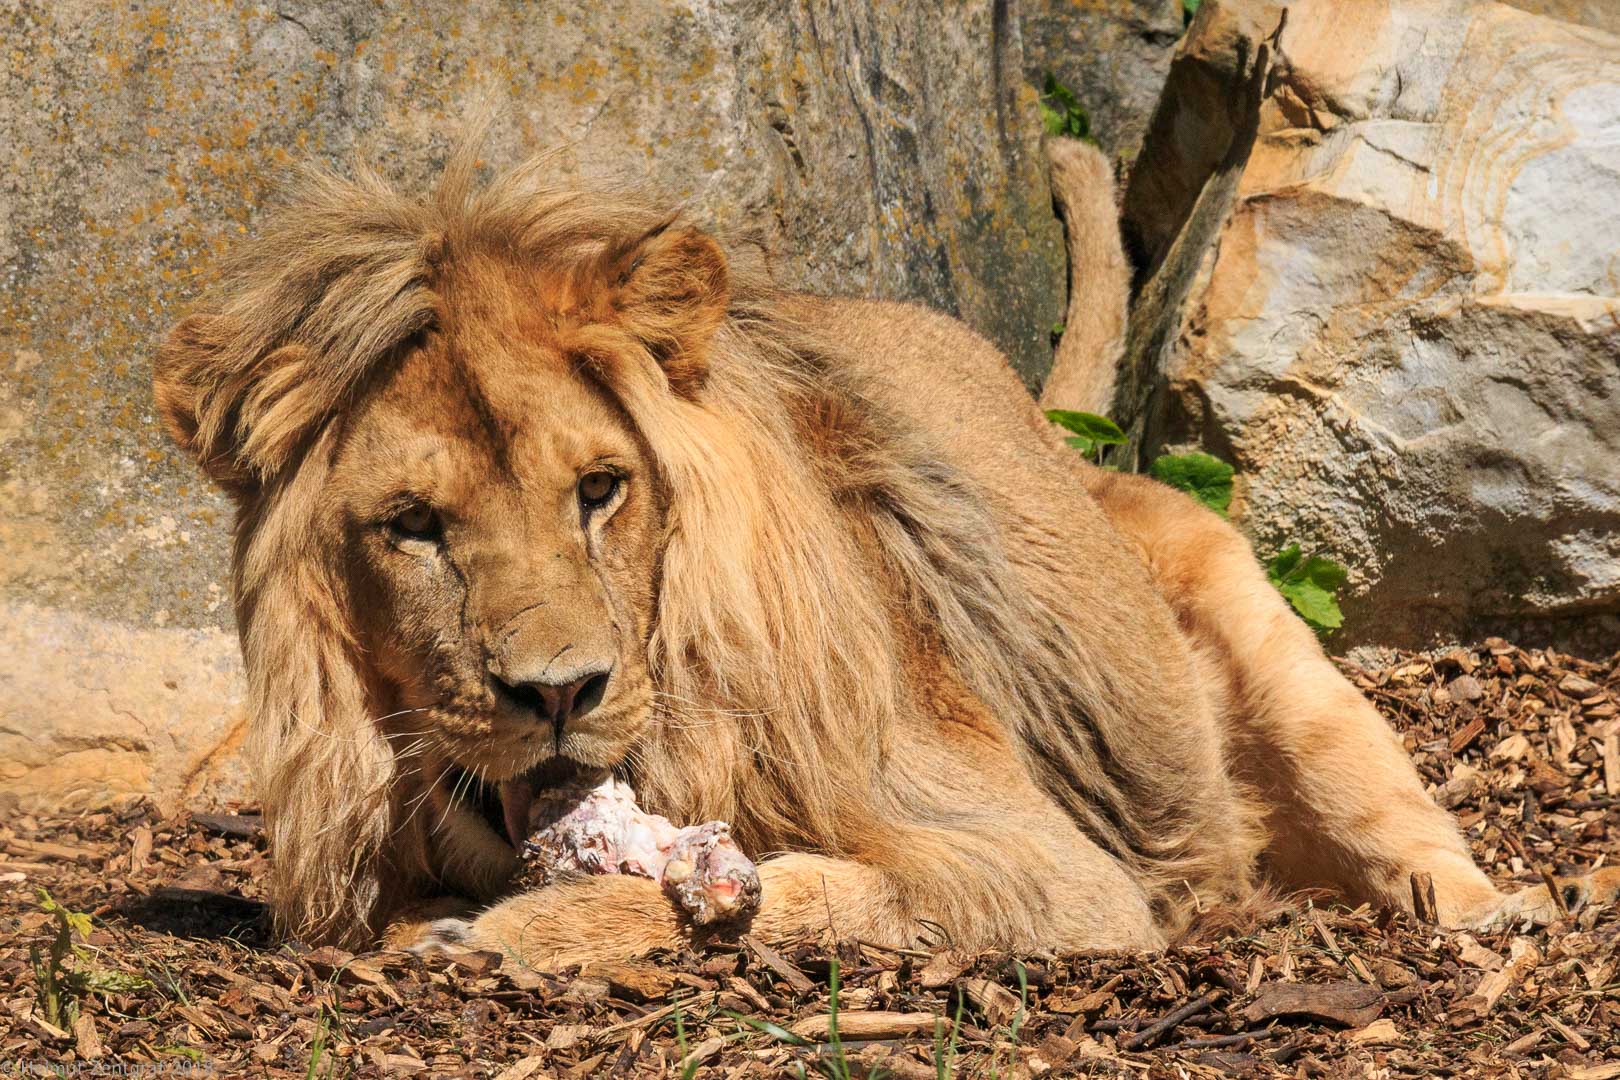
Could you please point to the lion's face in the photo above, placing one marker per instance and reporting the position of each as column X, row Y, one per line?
column 499, row 521
column 454, row 429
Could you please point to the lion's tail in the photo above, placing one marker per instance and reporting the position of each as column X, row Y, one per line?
column 1093, row 339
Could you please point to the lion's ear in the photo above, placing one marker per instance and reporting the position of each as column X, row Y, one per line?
column 184, row 373
column 240, row 421
column 671, row 288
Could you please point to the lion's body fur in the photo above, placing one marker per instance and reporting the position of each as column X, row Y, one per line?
column 901, row 633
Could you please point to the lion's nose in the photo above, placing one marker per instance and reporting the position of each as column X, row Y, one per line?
column 558, row 700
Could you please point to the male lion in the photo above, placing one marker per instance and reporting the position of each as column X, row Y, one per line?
column 532, row 478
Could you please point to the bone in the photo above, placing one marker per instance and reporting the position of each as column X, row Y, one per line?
column 579, row 829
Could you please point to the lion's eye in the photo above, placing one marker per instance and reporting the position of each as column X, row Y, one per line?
column 418, row 522
column 596, row 488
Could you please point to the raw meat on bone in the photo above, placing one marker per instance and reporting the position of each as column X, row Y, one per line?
column 600, row 830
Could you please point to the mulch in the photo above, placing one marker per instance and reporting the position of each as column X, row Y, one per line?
column 178, row 972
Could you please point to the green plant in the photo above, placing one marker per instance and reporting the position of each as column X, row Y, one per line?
column 1207, row 479
column 1061, row 111
column 833, row 1063
column 1310, row 585
column 1023, row 1002
column 317, row 1049
column 1017, row 1023
column 1091, row 432
column 1189, row 8
column 945, row 1052
column 689, row 1068
column 50, row 971
column 58, row 983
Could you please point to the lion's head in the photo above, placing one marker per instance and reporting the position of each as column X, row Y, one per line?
column 522, row 484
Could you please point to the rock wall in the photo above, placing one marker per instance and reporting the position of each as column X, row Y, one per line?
column 878, row 148
column 1381, row 278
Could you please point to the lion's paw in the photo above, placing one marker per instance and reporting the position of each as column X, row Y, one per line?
column 1536, row 906
column 443, row 935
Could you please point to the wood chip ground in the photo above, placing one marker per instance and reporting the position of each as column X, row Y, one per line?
column 178, row 970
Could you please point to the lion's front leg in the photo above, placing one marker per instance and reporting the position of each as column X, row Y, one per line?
column 616, row 916
column 599, row 918
column 1535, row 905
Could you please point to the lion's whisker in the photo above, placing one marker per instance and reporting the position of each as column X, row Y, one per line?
column 455, row 797
column 415, row 805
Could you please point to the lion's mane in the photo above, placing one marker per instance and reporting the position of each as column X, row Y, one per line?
column 779, row 668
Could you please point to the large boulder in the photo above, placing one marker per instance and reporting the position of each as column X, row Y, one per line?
column 1380, row 275
column 877, row 148
column 1602, row 14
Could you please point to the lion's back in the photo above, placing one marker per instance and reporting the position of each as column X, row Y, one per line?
column 938, row 374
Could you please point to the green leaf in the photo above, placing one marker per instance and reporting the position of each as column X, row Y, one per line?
column 77, row 922
column 1052, row 119
column 107, row 981
column 774, row 1030
column 1061, row 111
column 1283, row 564
column 1207, row 479
column 1315, row 604
column 1091, row 432
column 1099, row 429
column 1189, row 8
column 1054, row 122
column 1324, row 573
column 1309, row 586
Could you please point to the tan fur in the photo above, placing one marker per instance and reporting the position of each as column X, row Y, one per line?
column 1089, row 351
column 853, row 593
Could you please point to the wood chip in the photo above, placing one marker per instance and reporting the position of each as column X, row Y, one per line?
column 522, row 1069
column 865, row 1024
column 1571, row 1036
column 476, row 962
column 1378, row 1033
column 632, row 981
column 943, row 970
column 1513, row 748
column 995, row 1002
column 1350, row 1004
column 45, row 849
column 1168, row 1022
column 1326, row 935
column 241, row 825
column 140, row 848
column 1577, row 687
column 1523, row 956
column 1423, row 902
column 586, row 1067
column 1474, row 954
column 566, row 1036
column 702, row 1052
column 784, row 969
column 1609, row 1070
column 85, row 1039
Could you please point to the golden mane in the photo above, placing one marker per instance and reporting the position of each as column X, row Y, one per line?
column 779, row 668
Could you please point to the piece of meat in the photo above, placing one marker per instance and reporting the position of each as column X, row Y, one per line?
column 601, row 830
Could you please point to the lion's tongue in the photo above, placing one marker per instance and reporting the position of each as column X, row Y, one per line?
column 517, row 796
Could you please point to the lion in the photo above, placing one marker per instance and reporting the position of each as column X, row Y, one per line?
column 533, row 479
